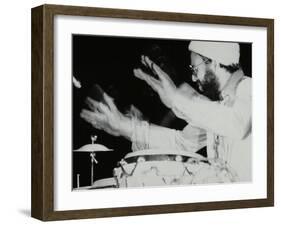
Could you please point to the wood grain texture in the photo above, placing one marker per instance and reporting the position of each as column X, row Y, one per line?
column 270, row 111
column 155, row 15
column 37, row 158
column 43, row 107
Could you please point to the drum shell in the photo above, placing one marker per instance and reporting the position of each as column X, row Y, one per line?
column 152, row 173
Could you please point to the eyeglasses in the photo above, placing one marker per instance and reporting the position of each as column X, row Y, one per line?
column 194, row 69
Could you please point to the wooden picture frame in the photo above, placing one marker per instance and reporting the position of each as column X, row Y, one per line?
column 42, row 203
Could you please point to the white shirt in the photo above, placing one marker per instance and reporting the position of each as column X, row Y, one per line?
column 224, row 127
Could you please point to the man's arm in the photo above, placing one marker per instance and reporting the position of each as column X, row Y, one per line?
column 149, row 136
column 142, row 134
column 234, row 121
column 189, row 105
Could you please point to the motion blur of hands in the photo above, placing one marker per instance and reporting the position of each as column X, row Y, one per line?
column 105, row 116
column 163, row 86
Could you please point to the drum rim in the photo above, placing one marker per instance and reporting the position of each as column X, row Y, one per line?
column 164, row 152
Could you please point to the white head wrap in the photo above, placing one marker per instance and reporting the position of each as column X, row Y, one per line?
column 226, row 53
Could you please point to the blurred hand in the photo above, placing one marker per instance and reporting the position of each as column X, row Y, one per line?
column 163, row 86
column 107, row 117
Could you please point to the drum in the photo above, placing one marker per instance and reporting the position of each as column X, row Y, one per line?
column 105, row 183
column 157, row 167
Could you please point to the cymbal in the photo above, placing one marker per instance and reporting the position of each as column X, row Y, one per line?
column 105, row 183
column 93, row 148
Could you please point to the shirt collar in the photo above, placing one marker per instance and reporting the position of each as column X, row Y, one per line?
column 229, row 91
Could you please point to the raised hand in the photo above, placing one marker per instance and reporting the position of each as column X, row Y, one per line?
column 107, row 117
column 163, row 86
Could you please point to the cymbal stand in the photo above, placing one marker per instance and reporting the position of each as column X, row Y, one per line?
column 93, row 160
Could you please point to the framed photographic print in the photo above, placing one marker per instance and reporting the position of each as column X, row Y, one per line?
column 141, row 112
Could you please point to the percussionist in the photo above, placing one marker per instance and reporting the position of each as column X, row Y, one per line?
column 218, row 117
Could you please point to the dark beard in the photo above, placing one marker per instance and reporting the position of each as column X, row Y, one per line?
column 210, row 86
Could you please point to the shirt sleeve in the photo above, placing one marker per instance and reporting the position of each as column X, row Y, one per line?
column 232, row 121
column 149, row 136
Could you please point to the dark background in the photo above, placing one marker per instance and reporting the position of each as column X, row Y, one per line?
column 109, row 62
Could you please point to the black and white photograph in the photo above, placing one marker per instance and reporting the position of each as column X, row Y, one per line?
column 150, row 112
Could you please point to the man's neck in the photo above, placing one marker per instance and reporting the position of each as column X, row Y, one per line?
column 230, row 87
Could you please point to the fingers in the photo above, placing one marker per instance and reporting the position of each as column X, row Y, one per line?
column 99, row 121
column 93, row 105
column 104, row 109
column 93, row 118
column 164, row 78
column 109, row 101
column 149, row 63
column 99, row 106
column 145, row 77
column 154, row 67
column 90, row 116
column 152, row 82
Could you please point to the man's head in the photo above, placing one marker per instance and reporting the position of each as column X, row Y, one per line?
column 212, row 64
